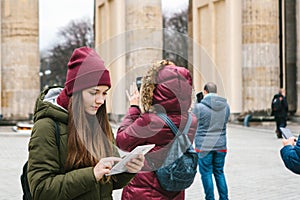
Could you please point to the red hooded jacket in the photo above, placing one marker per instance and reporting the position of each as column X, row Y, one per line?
column 172, row 93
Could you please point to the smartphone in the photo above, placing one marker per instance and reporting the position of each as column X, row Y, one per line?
column 286, row 133
column 138, row 82
column 199, row 96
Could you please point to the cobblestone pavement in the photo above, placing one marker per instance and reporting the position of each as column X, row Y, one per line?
column 253, row 168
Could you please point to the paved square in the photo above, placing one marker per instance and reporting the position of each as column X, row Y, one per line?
column 253, row 167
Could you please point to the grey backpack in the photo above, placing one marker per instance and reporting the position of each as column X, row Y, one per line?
column 180, row 167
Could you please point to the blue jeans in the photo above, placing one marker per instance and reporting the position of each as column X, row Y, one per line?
column 213, row 163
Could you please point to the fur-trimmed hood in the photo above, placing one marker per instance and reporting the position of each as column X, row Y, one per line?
column 167, row 88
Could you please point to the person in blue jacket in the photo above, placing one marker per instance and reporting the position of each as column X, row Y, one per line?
column 290, row 154
column 213, row 113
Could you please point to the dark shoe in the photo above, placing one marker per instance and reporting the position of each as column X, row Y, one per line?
column 278, row 134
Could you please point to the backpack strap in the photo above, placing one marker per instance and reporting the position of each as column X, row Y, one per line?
column 57, row 135
column 57, row 140
column 182, row 144
column 174, row 129
column 24, row 179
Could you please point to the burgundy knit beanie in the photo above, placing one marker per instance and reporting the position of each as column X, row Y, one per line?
column 85, row 69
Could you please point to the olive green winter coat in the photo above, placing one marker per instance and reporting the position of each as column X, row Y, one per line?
column 46, row 176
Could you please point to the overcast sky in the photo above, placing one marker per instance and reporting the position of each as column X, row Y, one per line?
column 54, row 14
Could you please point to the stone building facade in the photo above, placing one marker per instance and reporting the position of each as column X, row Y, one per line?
column 248, row 47
column 252, row 47
column 19, row 58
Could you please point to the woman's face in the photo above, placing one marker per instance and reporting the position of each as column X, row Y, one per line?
column 93, row 98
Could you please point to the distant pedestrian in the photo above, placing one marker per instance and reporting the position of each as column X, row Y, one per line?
column 210, row 141
column 280, row 111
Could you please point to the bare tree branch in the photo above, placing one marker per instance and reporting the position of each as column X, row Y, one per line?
column 76, row 34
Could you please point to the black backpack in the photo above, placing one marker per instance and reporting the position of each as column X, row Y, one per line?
column 24, row 180
column 180, row 167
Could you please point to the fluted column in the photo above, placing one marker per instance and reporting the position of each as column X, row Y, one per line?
column 19, row 58
column 129, row 37
column 260, row 49
column 298, row 55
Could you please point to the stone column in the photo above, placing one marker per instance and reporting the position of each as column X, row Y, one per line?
column 290, row 53
column 144, row 37
column 144, row 40
column 1, row 113
column 19, row 58
column 298, row 55
column 129, row 37
column 260, row 43
column 235, row 85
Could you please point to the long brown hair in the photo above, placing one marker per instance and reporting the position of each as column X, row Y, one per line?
column 90, row 138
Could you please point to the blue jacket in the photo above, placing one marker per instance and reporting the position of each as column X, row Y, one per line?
column 291, row 156
column 213, row 114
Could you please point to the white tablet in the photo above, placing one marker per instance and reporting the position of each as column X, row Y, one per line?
column 120, row 166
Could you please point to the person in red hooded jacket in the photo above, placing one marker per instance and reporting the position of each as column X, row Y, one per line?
column 165, row 88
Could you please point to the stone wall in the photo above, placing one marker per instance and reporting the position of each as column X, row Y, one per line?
column 233, row 43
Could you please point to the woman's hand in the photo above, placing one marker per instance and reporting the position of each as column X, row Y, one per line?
column 289, row 141
column 133, row 95
column 135, row 164
column 104, row 166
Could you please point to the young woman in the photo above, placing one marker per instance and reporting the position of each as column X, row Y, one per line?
column 78, row 168
column 165, row 88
